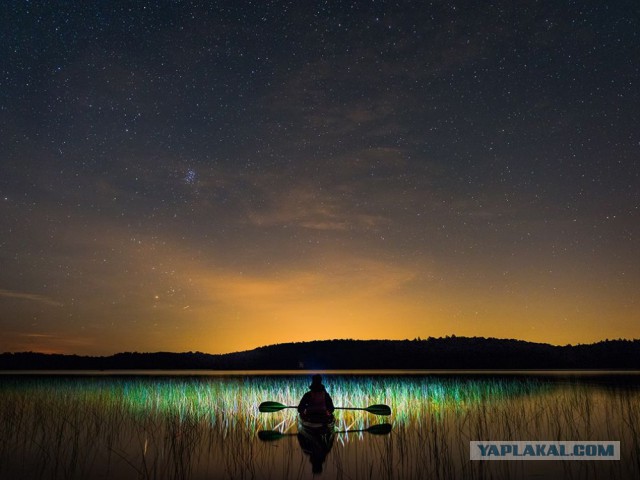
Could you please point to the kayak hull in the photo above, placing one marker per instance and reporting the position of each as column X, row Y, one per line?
column 317, row 423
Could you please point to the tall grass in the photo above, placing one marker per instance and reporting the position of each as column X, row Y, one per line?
column 206, row 427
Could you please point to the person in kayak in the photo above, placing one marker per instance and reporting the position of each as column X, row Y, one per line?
column 316, row 401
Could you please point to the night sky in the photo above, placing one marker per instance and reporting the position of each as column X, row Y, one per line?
column 217, row 176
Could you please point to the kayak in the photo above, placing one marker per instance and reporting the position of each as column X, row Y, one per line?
column 316, row 423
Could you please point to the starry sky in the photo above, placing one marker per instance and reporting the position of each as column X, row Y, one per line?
column 217, row 176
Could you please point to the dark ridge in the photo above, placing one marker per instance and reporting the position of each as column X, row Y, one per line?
column 432, row 353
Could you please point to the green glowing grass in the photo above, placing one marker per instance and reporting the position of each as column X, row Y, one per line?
column 228, row 401
column 66, row 427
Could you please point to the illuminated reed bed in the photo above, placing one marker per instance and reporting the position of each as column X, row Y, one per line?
column 203, row 427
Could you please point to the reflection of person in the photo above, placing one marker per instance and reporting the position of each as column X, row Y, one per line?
column 317, row 446
column 316, row 401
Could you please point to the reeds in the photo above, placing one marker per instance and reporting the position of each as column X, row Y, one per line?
column 206, row 426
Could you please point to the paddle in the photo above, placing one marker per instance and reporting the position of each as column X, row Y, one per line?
column 381, row 429
column 270, row 407
column 379, row 409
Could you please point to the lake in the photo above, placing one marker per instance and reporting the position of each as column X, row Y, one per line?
column 205, row 425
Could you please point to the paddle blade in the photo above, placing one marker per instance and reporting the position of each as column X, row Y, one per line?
column 270, row 435
column 382, row 429
column 270, row 407
column 379, row 409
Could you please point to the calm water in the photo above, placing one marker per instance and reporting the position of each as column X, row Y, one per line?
column 207, row 426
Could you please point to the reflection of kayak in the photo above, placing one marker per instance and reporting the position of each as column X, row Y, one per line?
column 316, row 423
column 315, row 435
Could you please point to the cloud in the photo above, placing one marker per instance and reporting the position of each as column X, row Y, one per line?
column 326, row 279
column 33, row 297
column 62, row 342
column 312, row 208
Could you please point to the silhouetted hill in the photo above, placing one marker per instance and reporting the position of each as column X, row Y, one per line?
column 433, row 353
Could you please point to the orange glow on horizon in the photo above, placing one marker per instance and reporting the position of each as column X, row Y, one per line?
column 192, row 306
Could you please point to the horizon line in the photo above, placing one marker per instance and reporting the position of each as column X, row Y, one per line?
column 418, row 338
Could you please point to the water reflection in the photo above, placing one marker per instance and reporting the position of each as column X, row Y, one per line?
column 316, row 444
column 209, row 427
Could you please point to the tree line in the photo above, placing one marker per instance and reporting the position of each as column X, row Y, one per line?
column 432, row 353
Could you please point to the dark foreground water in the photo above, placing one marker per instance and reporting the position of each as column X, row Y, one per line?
column 208, row 427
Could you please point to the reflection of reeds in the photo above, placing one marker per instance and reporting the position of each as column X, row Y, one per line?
column 186, row 427
column 630, row 405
